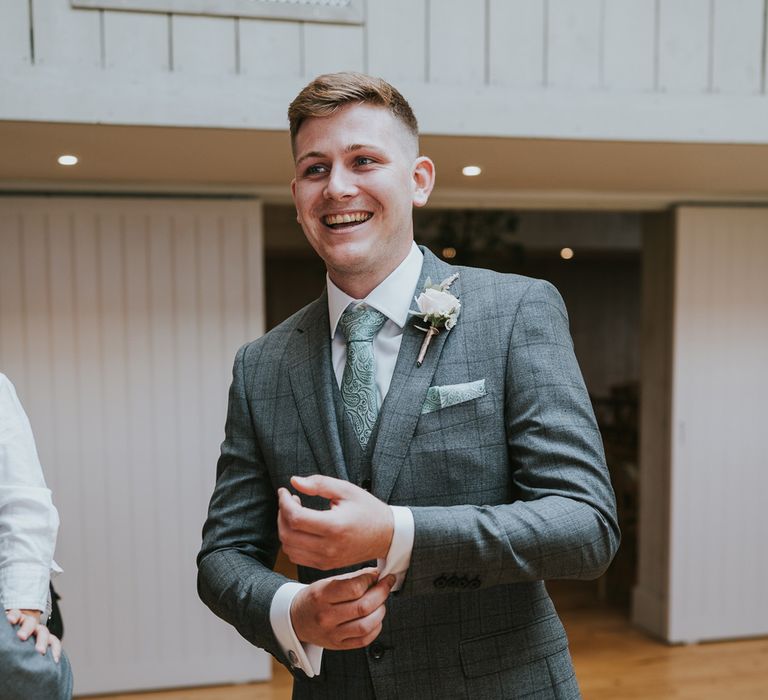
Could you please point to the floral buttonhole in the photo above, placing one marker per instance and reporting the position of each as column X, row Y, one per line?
column 437, row 307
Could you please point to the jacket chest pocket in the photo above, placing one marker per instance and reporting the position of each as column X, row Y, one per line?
column 465, row 415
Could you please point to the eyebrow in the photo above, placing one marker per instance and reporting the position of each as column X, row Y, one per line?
column 348, row 149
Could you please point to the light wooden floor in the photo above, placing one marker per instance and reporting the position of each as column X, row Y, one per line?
column 613, row 662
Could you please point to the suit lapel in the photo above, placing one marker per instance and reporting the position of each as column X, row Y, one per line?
column 402, row 407
column 311, row 377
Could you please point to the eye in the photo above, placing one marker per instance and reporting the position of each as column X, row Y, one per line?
column 364, row 160
column 315, row 169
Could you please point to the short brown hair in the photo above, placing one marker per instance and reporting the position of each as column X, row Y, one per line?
column 328, row 93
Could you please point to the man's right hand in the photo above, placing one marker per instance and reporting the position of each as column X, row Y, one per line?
column 342, row 612
column 29, row 625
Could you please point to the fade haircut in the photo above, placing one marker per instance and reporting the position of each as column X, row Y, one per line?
column 328, row 93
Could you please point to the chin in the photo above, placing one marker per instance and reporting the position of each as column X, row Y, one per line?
column 350, row 257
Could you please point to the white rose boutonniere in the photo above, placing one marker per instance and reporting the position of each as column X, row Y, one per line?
column 438, row 307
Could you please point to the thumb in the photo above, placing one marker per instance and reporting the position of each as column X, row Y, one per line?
column 323, row 486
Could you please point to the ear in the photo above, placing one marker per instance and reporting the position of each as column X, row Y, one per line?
column 423, row 180
column 293, row 195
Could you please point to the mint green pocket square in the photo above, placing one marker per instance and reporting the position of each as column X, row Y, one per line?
column 443, row 396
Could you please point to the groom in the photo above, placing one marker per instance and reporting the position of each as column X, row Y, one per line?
column 424, row 503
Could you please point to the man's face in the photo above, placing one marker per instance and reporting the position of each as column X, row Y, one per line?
column 357, row 178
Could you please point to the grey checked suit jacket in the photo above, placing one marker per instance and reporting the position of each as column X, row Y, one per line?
column 506, row 490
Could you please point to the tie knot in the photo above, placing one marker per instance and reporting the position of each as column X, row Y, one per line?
column 361, row 323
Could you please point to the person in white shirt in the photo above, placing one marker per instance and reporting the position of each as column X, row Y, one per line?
column 31, row 658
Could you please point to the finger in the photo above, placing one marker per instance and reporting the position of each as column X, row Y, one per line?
column 290, row 506
column 13, row 616
column 323, row 486
column 300, row 526
column 365, row 605
column 42, row 635
column 348, row 588
column 284, row 499
column 27, row 628
column 307, row 557
column 293, row 516
column 361, row 628
column 55, row 647
column 360, row 642
column 291, row 533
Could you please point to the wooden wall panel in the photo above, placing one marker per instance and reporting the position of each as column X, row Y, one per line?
column 270, row 49
column 719, row 454
column 574, row 43
column 123, row 31
column 457, row 43
column 685, row 45
column 516, row 43
column 737, row 48
column 329, row 48
column 629, row 45
column 203, row 45
column 119, row 321
column 65, row 37
column 396, row 39
column 15, row 46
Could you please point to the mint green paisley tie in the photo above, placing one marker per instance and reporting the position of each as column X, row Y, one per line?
column 360, row 325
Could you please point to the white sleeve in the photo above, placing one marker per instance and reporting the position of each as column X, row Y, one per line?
column 29, row 521
column 399, row 556
column 307, row 657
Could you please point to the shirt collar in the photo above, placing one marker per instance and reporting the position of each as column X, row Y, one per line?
column 392, row 297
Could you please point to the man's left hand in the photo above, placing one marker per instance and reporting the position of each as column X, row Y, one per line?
column 357, row 528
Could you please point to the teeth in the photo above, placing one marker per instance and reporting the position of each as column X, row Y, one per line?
column 355, row 217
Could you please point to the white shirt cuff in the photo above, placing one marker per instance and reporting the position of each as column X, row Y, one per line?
column 307, row 657
column 24, row 586
column 399, row 556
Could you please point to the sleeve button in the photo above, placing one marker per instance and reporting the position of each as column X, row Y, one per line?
column 376, row 651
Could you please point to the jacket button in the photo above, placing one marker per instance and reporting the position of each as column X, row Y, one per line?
column 366, row 485
column 376, row 651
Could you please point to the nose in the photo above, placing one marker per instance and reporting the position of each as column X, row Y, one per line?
column 340, row 184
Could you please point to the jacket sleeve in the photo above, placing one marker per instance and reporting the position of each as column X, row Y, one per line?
column 240, row 542
column 561, row 522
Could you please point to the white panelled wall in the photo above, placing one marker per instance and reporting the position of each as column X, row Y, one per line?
column 704, row 455
column 119, row 321
column 599, row 69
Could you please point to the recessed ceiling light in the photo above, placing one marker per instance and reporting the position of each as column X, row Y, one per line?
column 566, row 253
column 68, row 160
column 471, row 170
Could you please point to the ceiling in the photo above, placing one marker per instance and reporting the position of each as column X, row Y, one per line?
column 532, row 173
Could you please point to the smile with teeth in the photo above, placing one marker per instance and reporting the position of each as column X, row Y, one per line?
column 346, row 219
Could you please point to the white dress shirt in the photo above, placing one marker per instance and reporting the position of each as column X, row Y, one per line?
column 392, row 298
column 29, row 521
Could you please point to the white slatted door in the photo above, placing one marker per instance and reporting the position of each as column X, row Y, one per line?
column 119, row 321
column 718, row 564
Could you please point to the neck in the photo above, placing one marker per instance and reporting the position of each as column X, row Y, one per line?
column 360, row 284
column 356, row 288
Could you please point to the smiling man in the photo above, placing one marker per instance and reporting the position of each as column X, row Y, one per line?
column 424, row 501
